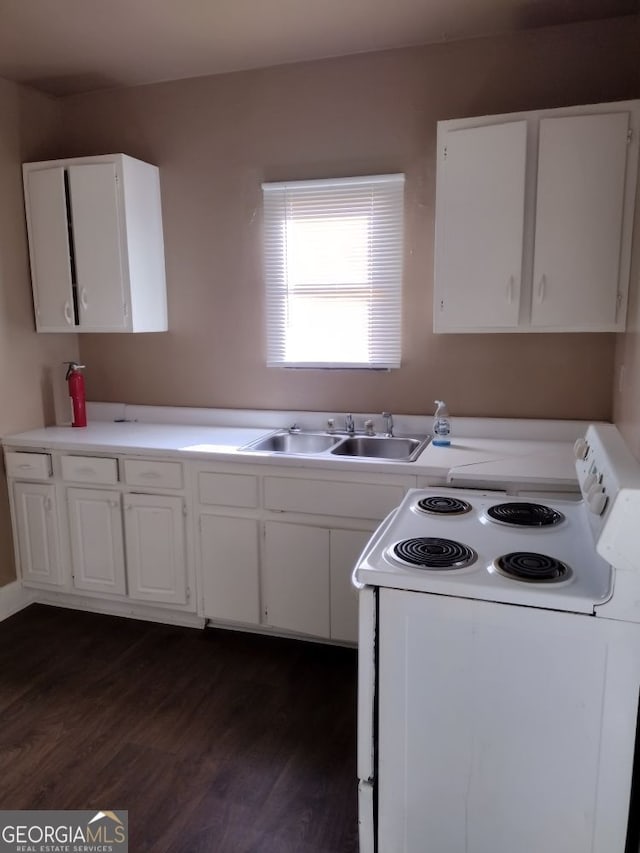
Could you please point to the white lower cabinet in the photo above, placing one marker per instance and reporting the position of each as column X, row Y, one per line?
column 36, row 528
column 345, row 548
column 296, row 578
column 230, row 566
column 97, row 548
column 155, row 548
column 269, row 548
column 144, row 558
column 307, row 579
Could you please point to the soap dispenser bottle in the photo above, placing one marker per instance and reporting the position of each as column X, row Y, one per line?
column 441, row 425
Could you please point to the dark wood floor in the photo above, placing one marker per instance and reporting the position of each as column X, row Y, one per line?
column 213, row 740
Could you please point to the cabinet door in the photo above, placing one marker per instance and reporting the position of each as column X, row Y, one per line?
column 296, row 578
column 37, row 533
column 581, row 184
column 155, row 546
column 97, row 551
column 479, row 227
column 97, row 238
column 346, row 547
column 230, row 568
column 46, row 209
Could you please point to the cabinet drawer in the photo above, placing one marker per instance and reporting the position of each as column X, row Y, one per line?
column 326, row 497
column 89, row 469
column 28, row 466
column 239, row 490
column 164, row 475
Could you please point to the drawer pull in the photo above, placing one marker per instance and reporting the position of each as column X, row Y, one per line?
column 150, row 475
column 26, row 466
column 86, row 469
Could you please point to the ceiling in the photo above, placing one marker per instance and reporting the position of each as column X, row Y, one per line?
column 68, row 46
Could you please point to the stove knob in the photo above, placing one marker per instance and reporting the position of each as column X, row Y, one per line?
column 580, row 448
column 590, row 481
column 597, row 502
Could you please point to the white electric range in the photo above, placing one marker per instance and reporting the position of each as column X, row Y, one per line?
column 499, row 667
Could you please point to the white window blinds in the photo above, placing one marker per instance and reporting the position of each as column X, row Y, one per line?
column 333, row 270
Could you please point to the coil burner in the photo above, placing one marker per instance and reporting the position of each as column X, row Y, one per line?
column 429, row 552
column 443, row 505
column 524, row 514
column 532, row 567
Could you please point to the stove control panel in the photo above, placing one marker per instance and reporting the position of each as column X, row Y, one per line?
column 606, row 469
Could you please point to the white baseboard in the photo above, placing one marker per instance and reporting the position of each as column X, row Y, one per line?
column 14, row 597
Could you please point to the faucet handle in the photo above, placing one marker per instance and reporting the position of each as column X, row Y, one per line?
column 369, row 428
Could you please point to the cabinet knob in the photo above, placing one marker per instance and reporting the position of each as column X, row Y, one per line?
column 68, row 316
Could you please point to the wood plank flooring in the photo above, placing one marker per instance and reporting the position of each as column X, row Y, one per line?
column 214, row 740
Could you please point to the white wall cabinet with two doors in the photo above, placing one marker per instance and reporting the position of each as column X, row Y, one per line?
column 102, row 527
column 96, row 245
column 534, row 220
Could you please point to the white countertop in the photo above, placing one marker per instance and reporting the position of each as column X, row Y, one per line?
column 476, row 461
column 471, row 462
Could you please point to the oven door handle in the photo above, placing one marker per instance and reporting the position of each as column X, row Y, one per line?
column 377, row 534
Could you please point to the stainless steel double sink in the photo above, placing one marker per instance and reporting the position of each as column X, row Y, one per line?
column 404, row 448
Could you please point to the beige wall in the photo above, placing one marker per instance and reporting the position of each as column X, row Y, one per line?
column 28, row 128
column 216, row 139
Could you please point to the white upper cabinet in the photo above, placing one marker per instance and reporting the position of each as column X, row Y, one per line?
column 579, row 205
column 481, row 225
column 96, row 245
column 534, row 220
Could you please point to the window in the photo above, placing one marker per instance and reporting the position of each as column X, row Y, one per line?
column 333, row 269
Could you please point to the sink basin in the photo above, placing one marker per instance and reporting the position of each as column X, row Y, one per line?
column 402, row 449
column 397, row 448
column 294, row 442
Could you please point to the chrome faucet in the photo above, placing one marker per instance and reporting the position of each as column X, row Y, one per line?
column 388, row 424
column 349, row 424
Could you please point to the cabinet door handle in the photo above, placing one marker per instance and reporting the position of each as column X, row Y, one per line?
column 83, row 298
column 68, row 316
column 510, row 289
column 542, row 287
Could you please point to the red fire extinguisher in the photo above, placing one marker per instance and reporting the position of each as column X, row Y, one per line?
column 77, row 394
